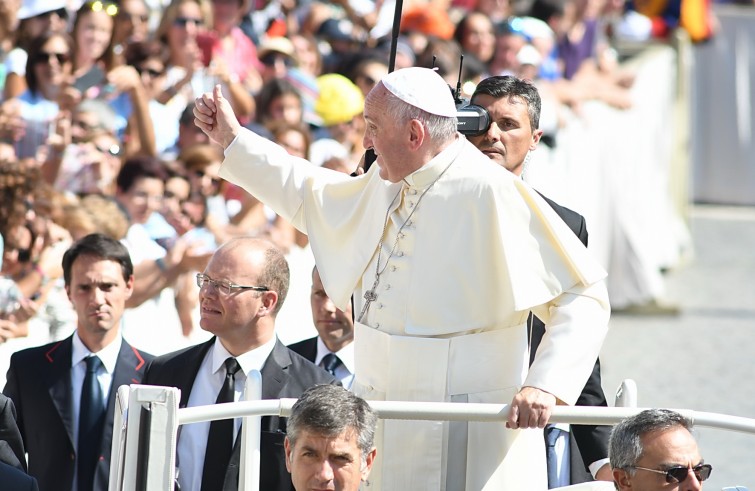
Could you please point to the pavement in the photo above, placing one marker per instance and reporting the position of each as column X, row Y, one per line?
column 704, row 358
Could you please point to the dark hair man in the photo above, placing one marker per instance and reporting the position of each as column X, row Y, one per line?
column 64, row 392
column 330, row 440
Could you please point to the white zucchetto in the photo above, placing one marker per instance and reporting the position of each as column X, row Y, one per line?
column 422, row 88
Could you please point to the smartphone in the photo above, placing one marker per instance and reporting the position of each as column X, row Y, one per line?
column 94, row 76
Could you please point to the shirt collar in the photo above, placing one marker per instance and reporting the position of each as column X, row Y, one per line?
column 107, row 355
column 345, row 354
column 251, row 360
column 428, row 173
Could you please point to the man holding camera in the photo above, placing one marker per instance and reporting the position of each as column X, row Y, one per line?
column 440, row 315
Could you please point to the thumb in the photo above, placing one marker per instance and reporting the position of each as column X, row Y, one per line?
column 217, row 94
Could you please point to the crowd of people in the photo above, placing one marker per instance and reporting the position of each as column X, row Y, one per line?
column 98, row 136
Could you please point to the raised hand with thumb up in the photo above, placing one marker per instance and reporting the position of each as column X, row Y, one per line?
column 213, row 115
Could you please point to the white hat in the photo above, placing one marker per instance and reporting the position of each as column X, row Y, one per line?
column 422, row 88
column 32, row 8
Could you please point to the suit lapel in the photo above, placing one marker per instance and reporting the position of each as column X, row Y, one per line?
column 275, row 371
column 184, row 379
column 57, row 364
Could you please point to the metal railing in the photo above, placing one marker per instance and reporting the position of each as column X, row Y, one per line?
column 147, row 419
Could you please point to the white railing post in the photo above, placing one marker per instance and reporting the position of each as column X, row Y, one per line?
column 249, row 465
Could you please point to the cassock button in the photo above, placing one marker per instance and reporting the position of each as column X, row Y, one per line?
column 380, row 306
column 388, row 286
column 400, row 254
column 377, row 325
column 411, row 204
column 393, row 268
column 413, row 192
column 409, row 223
column 401, row 235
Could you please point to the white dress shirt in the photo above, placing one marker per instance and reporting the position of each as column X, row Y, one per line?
column 192, row 440
column 344, row 371
column 109, row 357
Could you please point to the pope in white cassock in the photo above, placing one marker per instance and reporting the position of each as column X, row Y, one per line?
column 445, row 255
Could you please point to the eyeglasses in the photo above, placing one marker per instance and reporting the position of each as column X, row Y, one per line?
column 62, row 13
column 110, row 9
column 271, row 59
column 678, row 473
column 46, row 57
column 226, row 287
column 149, row 71
column 182, row 21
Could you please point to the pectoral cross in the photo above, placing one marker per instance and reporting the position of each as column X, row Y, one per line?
column 370, row 296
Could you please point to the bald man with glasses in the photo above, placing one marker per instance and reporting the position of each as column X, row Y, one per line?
column 241, row 292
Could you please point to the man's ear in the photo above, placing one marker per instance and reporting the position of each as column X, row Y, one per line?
column 536, row 135
column 622, row 479
column 368, row 464
column 417, row 134
column 269, row 301
column 289, row 454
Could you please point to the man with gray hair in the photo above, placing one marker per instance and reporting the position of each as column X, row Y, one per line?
column 445, row 255
column 329, row 441
column 655, row 450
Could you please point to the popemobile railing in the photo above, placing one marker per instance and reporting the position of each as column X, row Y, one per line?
column 147, row 418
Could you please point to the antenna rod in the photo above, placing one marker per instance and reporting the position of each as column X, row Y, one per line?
column 457, row 96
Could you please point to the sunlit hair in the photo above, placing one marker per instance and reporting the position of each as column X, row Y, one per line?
column 171, row 12
column 625, row 444
column 439, row 128
column 330, row 410
column 512, row 87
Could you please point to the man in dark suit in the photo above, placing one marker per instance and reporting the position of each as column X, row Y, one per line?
column 11, row 445
column 333, row 347
column 514, row 108
column 65, row 391
column 241, row 291
column 13, row 479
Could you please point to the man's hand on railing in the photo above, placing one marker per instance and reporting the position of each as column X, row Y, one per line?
column 531, row 408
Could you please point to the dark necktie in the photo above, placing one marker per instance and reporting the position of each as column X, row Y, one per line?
column 220, row 438
column 330, row 362
column 91, row 418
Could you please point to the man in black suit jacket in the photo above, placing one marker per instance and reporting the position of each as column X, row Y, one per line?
column 514, row 109
column 241, row 292
column 13, row 479
column 335, row 329
column 45, row 382
column 11, row 444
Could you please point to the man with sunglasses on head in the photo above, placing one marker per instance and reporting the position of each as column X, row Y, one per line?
column 241, row 292
column 655, row 450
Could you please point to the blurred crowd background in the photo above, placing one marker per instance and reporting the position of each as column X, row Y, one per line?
column 97, row 133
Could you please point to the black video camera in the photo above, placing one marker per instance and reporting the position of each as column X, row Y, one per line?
column 472, row 120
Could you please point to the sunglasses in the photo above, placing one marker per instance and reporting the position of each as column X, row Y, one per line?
column 678, row 473
column 183, row 21
column 271, row 58
column 62, row 13
column 149, row 71
column 45, row 57
column 110, row 9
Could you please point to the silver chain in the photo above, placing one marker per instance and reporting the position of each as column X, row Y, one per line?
column 370, row 294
